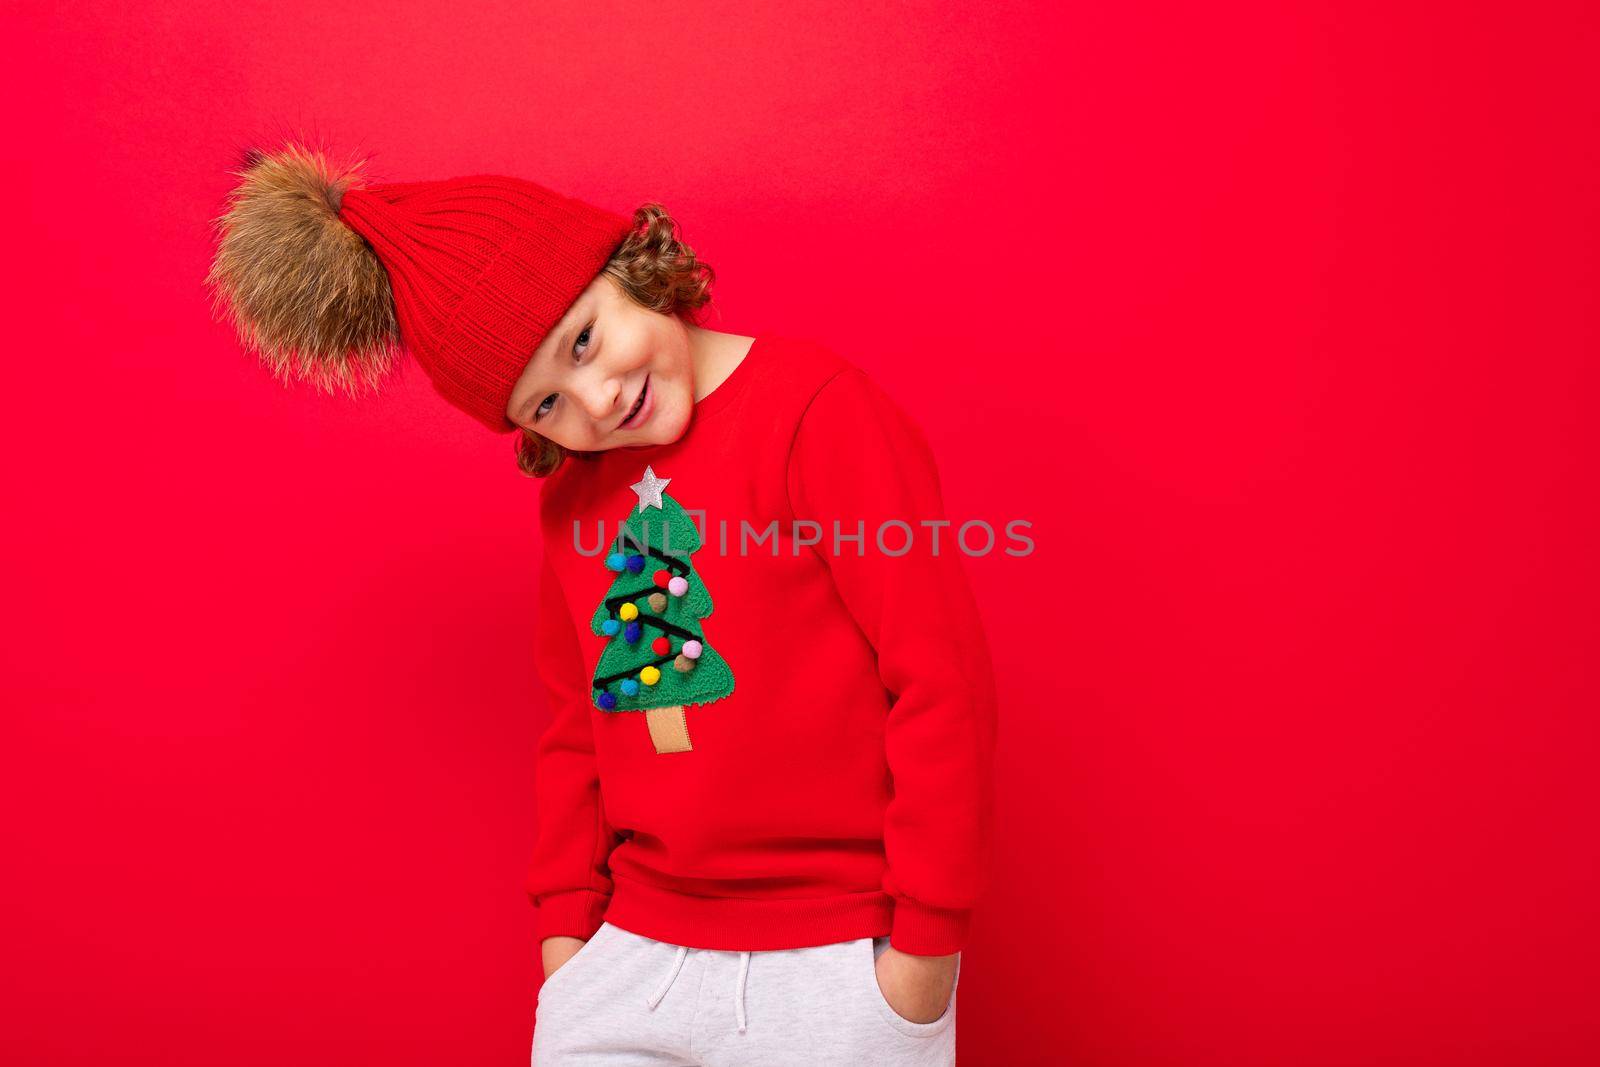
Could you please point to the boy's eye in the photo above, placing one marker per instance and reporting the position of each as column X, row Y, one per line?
column 579, row 342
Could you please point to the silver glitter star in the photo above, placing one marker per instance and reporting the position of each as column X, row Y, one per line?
column 649, row 489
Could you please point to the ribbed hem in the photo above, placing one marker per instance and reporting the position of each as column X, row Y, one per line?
column 925, row 931
column 575, row 914
column 744, row 924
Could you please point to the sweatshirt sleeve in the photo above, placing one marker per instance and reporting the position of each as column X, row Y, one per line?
column 860, row 463
column 569, row 877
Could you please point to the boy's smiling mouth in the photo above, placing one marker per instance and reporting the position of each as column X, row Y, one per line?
column 638, row 404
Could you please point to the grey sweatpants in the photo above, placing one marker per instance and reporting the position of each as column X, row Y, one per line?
column 626, row 1000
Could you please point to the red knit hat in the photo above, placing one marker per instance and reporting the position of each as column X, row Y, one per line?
column 329, row 280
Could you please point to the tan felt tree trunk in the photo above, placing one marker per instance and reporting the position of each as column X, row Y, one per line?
column 669, row 729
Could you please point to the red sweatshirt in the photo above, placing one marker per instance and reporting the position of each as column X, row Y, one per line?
column 840, row 704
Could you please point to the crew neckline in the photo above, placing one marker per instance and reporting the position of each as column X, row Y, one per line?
column 725, row 391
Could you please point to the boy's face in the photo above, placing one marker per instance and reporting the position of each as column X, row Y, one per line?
column 583, row 386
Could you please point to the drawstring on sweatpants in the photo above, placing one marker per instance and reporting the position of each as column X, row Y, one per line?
column 661, row 990
column 738, row 989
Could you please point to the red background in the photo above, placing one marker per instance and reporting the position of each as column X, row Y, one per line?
column 1276, row 321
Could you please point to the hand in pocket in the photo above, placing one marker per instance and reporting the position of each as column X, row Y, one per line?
column 918, row 988
column 557, row 951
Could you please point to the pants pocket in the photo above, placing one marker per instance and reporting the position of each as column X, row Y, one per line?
column 561, row 975
column 869, row 949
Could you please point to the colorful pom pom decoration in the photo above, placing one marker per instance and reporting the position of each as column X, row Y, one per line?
column 661, row 577
column 616, row 561
column 692, row 649
column 628, row 612
column 635, row 563
column 661, row 646
column 631, row 633
column 611, row 627
column 649, row 676
column 607, row 701
column 630, row 687
column 678, row 586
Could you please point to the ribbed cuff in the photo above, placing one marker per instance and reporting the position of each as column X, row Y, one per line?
column 926, row 931
column 578, row 913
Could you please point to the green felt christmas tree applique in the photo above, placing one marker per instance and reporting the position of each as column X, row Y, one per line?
column 656, row 658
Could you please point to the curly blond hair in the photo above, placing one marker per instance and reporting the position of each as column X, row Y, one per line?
column 658, row 272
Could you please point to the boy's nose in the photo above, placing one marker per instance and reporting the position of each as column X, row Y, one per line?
column 599, row 398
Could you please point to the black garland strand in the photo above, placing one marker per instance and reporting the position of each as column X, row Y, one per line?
column 601, row 683
column 678, row 566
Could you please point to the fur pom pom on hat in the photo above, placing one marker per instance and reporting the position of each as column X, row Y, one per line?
column 329, row 280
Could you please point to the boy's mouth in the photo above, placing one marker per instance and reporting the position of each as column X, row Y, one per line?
column 638, row 404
